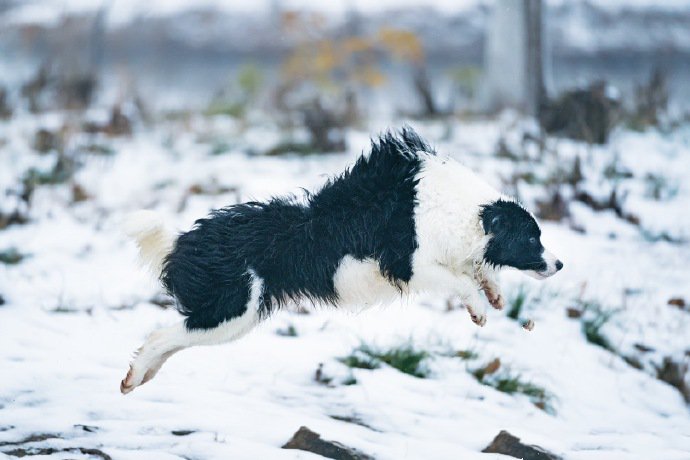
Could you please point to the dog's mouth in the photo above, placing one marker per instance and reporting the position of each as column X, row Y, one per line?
column 542, row 275
column 553, row 266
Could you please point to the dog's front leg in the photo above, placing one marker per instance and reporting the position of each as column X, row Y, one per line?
column 440, row 278
column 491, row 289
column 469, row 292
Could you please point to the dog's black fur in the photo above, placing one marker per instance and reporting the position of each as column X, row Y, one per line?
column 515, row 237
column 295, row 247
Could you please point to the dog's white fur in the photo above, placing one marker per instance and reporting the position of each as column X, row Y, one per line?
column 451, row 242
column 163, row 343
column 449, row 260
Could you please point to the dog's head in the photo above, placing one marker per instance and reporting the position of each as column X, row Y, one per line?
column 514, row 240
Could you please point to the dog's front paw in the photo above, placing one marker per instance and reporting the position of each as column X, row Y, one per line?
column 496, row 301
column 493, row 294
column 478, row 318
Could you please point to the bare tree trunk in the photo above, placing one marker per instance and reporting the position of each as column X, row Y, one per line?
column 514, row 56
column 535, row 51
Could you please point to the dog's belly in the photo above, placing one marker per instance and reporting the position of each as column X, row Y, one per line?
column 359, row 284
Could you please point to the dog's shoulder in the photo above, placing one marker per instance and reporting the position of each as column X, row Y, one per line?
column 394, row 156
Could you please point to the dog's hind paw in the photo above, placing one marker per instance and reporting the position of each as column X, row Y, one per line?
column 127, row 384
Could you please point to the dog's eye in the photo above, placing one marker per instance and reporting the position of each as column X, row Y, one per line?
column 533, row 241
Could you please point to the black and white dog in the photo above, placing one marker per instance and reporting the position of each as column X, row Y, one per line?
column 401, row 220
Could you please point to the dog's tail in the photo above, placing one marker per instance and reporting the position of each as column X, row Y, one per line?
column 154, row 239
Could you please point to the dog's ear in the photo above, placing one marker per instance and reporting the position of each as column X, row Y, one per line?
column 493, row 218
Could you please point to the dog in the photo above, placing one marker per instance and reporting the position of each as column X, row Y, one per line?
column 401, row 220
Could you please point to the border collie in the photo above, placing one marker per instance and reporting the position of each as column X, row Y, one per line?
column 402, row 219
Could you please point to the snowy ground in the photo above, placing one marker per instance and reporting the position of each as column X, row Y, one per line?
column 77, row 306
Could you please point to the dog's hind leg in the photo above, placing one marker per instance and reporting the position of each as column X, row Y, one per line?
column 165, row 342
column 148, row 359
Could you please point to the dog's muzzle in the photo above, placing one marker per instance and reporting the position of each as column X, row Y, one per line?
column 553, row 265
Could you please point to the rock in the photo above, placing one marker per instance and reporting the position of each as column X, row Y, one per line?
column 573, row 313
column 677, row 302
column 507, row 444
column 307, row 440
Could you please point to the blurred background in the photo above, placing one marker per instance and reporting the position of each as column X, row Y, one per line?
column 581, row 109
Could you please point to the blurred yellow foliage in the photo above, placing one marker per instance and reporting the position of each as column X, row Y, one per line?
column 370, row 76
column 357, row 45
column 402, row 44
column 354, row 58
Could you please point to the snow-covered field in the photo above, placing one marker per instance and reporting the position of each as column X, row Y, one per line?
column 77, row 306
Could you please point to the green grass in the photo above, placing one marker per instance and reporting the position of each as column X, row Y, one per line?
column 220, row 147
column 37, row 177
column 410, row 360
column 99, row 149
column 659, row 187
column 11, row 256
column 594, row 319
column 287, row 331
column 517, row 303
column 514, row 384
column 404, row 358
column 493, row 375
column 466, row 354
column 350, row 380
column 234, row 109
column 592, row 330
column 359, row 360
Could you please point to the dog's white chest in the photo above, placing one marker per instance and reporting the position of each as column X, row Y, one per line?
column 360, row 285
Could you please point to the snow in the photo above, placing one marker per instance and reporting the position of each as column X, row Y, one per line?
column 78, row 306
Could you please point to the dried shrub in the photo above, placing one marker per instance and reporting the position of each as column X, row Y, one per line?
column 5, row 108
column 587, row 114
column 554, row 207
column 651, row 102
column 674, row 373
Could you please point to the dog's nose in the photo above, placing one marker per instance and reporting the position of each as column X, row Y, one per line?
column 559, row 265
